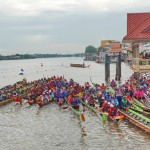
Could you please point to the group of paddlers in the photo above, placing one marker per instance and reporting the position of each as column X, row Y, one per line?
column 72, row 93
column 14, row 90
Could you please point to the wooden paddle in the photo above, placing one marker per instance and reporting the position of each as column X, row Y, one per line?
column 82, row 115
column 141, row 112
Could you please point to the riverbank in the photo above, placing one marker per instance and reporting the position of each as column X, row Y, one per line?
column 34, row 56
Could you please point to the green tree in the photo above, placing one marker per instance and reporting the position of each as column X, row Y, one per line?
column 90, row 49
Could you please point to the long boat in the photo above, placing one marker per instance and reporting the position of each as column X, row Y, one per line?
column 4, row 102
column 139, row 110
column 137, row 119
column 141, row 105
column 79, row 65
column 147, row 98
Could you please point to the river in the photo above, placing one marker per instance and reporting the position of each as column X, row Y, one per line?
column 30, row 128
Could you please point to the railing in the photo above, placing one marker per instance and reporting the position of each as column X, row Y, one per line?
column 141, row 65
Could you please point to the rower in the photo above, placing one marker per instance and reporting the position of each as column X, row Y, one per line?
column 113, row 83
column 119, row 97
column 92, row 101
column 104, row 106
column 103, row 87
column 114, row 100
column 112, row 110
column 125, row 103
column 74, row 104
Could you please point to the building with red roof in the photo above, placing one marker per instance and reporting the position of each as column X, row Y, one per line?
column 138, row 27
column 138, row 31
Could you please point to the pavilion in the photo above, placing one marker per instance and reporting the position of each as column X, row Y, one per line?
column 138, row 32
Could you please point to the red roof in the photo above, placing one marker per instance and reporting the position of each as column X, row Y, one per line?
column 138, row 26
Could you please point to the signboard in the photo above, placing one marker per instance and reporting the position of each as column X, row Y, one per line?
column 115, row 45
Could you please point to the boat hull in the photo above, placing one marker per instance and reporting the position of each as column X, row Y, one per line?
column 78, row 65
column 135, row 122
column 4, row 102
column 43, row 104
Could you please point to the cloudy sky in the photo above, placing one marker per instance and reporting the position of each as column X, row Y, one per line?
column 62, row 26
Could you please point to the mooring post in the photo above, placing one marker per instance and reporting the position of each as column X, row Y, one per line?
column 119, row 66
column 107, row 68
column 116, row 76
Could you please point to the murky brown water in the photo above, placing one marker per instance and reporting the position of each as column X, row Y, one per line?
column 28, row 128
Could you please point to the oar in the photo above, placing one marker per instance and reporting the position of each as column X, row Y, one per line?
column 97, row 111
column 82, row 117
column 92, row 82
column 141, row 111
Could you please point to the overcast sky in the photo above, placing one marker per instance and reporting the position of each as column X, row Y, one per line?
column 62, row 26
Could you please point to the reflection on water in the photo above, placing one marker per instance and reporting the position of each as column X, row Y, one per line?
column 28, row 127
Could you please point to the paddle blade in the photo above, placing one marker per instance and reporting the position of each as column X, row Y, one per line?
column 82, row 117
column 121, row 118
column 103, row 118
column 86, row 101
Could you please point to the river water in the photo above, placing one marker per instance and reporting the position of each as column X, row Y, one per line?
column 49, row 128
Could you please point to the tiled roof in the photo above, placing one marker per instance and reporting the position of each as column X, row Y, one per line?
column 138, row 26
